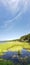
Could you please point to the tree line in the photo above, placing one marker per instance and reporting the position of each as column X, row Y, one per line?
column 25, row 38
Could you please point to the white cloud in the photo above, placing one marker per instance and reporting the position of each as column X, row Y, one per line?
column 16, row 7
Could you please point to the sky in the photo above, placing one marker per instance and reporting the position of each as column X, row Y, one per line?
column 14, row 19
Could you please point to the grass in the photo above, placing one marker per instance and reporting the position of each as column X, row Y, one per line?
column 13, row 46
column 5, row 62
column 8, row 62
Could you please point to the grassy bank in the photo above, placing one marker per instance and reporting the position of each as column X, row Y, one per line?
column 7, row 62
column 14, row 46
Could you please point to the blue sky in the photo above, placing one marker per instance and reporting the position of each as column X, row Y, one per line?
column 14, row 18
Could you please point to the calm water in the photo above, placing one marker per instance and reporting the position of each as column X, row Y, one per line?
column 7, row 55
column 13, row 56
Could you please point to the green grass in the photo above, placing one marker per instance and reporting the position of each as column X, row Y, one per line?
column 13, row 46
column 6, row 62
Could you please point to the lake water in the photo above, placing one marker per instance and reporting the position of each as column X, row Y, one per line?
column 7, row 55
column 13, row 56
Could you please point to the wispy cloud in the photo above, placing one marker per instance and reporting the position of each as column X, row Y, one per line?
column 15, row 7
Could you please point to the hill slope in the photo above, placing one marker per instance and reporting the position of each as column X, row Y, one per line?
column 25, row 38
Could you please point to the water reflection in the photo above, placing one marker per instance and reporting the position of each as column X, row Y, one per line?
column 7, row 55
column 23, row 57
